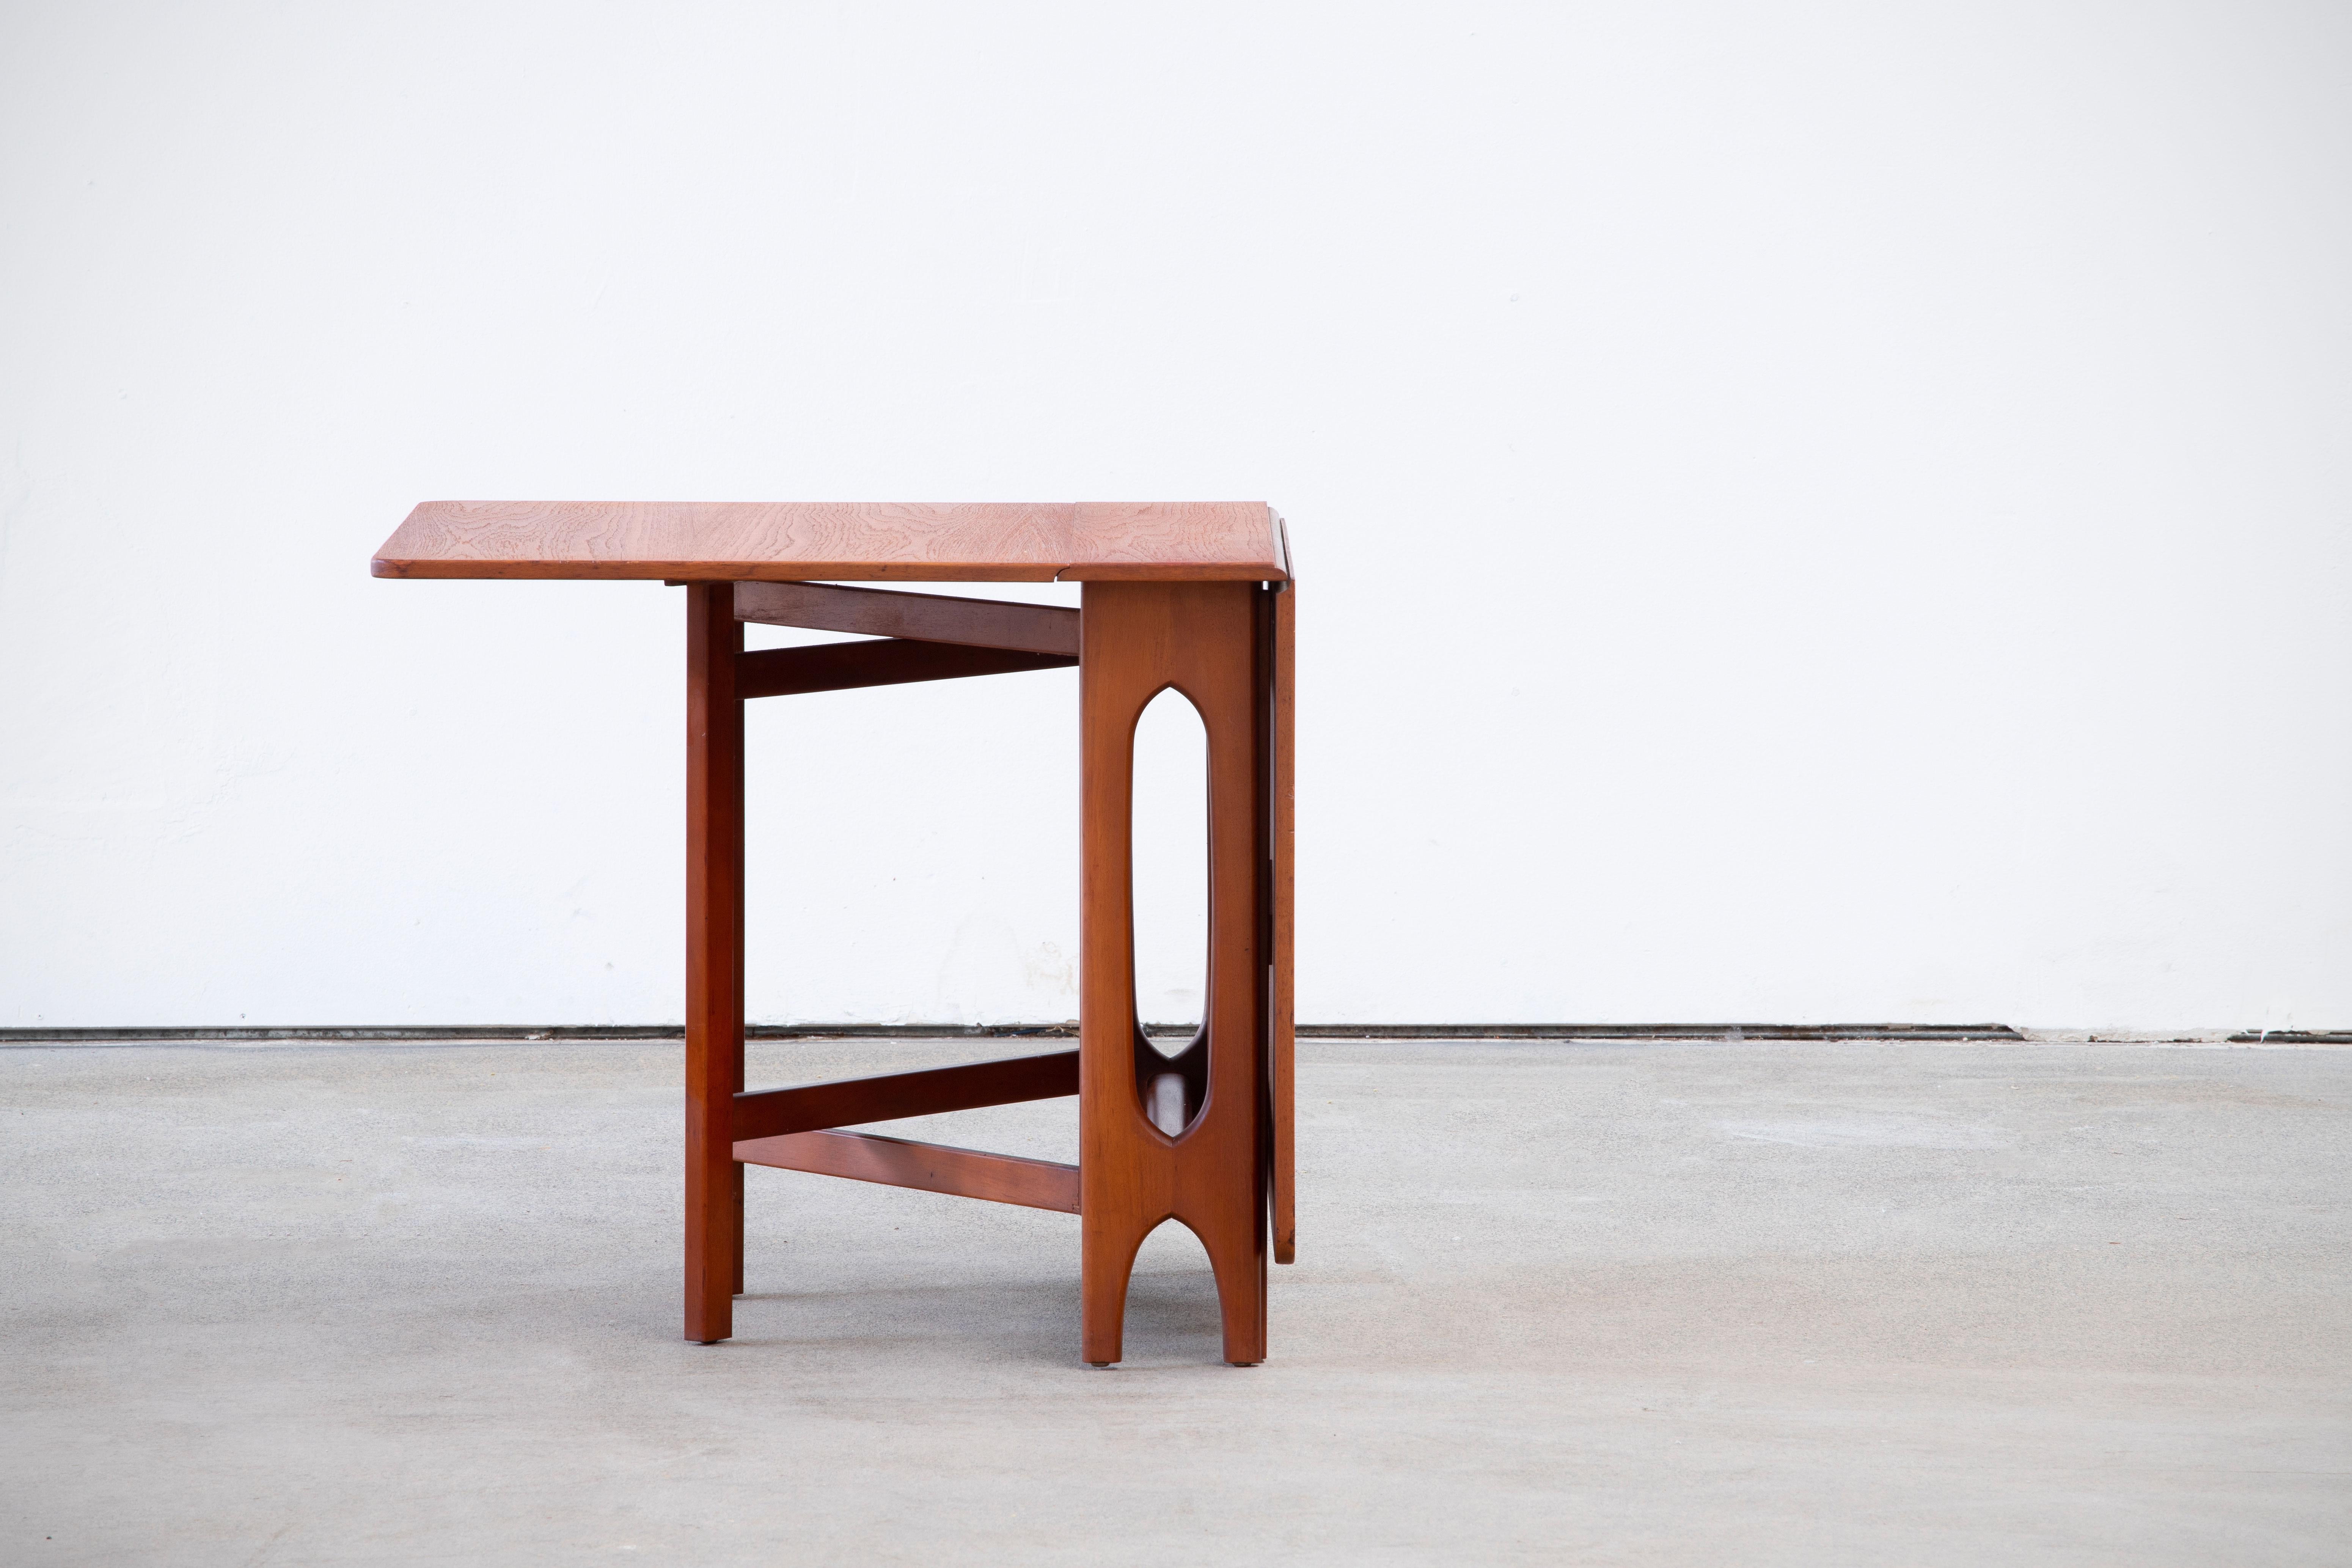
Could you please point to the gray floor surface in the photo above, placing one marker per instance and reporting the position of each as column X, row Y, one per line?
column 1603, row 1303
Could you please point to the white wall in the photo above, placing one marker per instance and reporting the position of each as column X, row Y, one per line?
column 1807, row 511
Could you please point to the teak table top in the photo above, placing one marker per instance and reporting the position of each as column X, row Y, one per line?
column 788, row 541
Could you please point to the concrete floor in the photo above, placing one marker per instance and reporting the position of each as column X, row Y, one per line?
column 1703, row 1304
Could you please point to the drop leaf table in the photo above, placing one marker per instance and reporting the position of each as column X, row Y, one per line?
column 1193, row 596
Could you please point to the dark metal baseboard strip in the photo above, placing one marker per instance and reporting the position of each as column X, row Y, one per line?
column 1658, row 1032
column 427, row 1034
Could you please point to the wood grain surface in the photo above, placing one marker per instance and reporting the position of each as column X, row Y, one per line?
column 1200, row 638
column 931, row 617
column 886, row 661
column 934, row 1167
column 873, row 540
column 1282, row 1048
column 844, row 1103
column 714, row 962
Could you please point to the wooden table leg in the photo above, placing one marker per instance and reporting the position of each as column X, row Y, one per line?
column 1278, row 682
column 714, row 961
column 1139, row 640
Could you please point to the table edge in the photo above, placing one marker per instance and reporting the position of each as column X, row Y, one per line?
column 388, row 567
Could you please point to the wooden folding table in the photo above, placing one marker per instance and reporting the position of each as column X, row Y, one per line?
column 1194, row 596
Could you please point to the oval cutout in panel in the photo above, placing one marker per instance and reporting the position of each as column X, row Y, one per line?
column 1169, row 882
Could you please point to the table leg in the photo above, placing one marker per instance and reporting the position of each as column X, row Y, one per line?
column 1277, row 683
column 714, row 961
column 1139, row 640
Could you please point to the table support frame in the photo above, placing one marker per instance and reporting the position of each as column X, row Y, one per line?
column 1225, row 1175
column 714, row 961
column 1203, row 640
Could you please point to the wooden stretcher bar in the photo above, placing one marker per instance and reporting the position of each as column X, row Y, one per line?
column 845, row 1102
column 931, row 1167
column 892, row 661
column 928, row 617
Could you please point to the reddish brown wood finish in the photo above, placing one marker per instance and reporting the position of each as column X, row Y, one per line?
column 931, row 617
column 1202, row 639
column 784, row 541
column 845, row 1102
column 1282, row 1027
column 892, row 661
column 934, row 1167
column 1174, row 597
column 714, row 962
